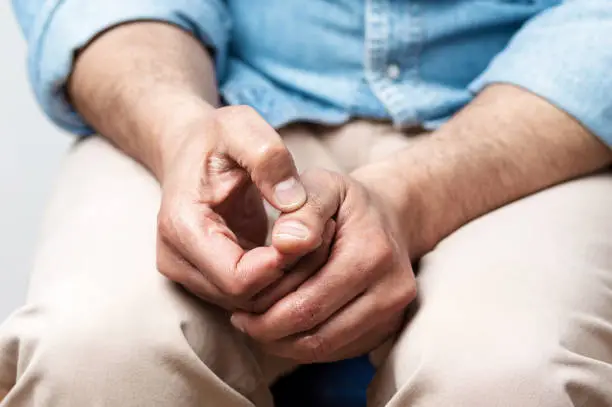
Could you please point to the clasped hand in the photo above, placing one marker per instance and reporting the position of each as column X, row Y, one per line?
column 337, row 277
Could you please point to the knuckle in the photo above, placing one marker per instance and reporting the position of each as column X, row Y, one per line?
column 168, row 272
column 168, row 268
column 398, row 302
column 271, row 153
column 163, row 217
column 168, row 226
column 305, row 314
column 409, row 294
column 238, row 290
column 314, row 349
column 383, row 252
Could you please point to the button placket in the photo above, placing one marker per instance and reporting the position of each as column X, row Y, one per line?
column 381, row 71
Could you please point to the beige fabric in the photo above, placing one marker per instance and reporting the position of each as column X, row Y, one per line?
column 515, row 309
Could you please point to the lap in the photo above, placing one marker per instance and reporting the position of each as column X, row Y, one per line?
column 529, row 283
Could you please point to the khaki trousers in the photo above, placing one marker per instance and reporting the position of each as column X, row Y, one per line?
column 515, row 308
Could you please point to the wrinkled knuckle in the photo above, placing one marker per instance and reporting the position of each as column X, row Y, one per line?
column 305, row 314
column 237, row 290
column 314, row 349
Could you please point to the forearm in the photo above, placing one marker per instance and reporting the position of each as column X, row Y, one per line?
column 505, row 145
column 137, row 81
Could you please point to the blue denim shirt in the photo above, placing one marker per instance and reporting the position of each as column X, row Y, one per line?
column 409, row 61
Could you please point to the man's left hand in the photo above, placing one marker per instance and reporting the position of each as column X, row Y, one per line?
column 358, row 298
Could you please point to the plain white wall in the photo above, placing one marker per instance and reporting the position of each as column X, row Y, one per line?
column 30, row 152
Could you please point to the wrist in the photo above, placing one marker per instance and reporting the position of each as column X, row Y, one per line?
column 405, row 199
column 171, row 120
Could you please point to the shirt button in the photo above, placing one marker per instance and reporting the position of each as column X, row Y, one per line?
column 393, row 72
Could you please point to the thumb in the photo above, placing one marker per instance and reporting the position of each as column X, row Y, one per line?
column 302, row 230
column 259, row 149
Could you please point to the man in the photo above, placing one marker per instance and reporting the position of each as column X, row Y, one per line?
column 469, row 138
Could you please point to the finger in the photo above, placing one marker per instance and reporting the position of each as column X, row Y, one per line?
column 383, row 306
column 292, row 279
column 300, row 231
column 318, row 298
column 259, row 149
column 204, row 241
column 179, row 270
column 244, row 213
column 369, row 342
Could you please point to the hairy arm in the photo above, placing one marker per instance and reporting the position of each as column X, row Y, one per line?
column 150, row 88
column 125, row 80
column 507, row 144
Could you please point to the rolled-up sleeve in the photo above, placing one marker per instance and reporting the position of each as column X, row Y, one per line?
column 564, row 55
column 56, row 29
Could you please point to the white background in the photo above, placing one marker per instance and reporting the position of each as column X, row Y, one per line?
column 30, row 153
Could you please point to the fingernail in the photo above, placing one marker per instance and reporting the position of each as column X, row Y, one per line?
column 292, row 230
column 289, row 193
column 238, row 322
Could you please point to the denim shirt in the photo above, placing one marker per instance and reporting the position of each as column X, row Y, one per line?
column 408, row 61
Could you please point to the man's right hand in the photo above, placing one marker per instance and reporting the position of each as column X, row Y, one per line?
column 212, row 223
column 150, row 88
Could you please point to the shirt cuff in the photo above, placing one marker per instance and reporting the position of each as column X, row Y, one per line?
column 64, row 26
column 563, row 55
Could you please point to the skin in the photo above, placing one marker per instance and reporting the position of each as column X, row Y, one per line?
column 150, row 88
column 156, row 100
column 505, row 145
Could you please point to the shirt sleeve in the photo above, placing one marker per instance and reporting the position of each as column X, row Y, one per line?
column 564, row 55
column 55, row 29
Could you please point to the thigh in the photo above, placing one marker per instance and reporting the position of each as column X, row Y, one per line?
column 515, row 308
column 99, row 317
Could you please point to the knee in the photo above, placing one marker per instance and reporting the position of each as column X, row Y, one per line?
column 481, row 376
column 102, row 341
column 117, row 352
